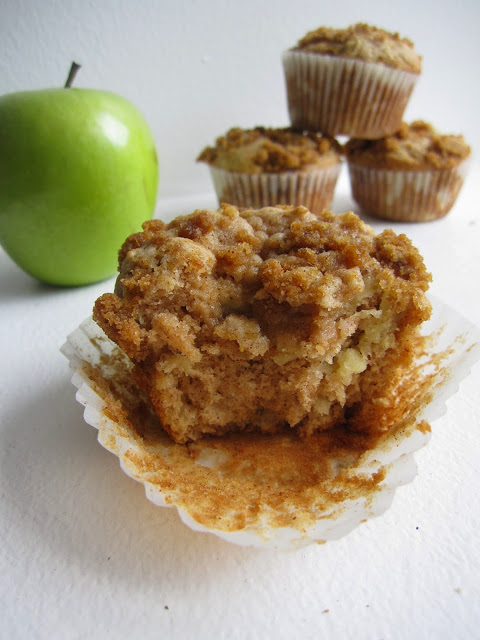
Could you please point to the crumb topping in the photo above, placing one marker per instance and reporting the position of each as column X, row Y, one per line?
column 265, row 319
column 417, row 146
column 363, row 42
column 263, row 150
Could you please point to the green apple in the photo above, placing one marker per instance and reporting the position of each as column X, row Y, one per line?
column 78, row 174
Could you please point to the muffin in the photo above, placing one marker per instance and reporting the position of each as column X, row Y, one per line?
column 355, row 81
column 414, row 175
column 266, row 167
column 272, row 320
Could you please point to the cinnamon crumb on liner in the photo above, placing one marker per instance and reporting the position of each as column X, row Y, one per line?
column 279, row 490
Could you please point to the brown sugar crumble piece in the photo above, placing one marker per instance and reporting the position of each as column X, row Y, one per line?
column 265, row 319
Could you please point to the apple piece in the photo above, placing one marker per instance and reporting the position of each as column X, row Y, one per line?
column 78, row 174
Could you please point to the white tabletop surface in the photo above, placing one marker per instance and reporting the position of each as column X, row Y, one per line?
column 84, row 554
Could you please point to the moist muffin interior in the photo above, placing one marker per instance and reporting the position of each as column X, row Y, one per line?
column 266, row 319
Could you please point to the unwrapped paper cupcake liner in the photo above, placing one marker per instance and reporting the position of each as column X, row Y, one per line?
column 277, row 491
column 313, row 188
column 409, row 196
column 335, row 95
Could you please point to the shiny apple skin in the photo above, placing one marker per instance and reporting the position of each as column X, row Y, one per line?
column 78, row 174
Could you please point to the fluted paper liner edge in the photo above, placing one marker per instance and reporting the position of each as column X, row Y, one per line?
column 352, row 489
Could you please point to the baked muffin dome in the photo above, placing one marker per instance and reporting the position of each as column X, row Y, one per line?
column 269, row 150
column 415, row 146
column 363, row 42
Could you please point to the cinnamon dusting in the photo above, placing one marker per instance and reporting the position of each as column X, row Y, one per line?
column 253, row 481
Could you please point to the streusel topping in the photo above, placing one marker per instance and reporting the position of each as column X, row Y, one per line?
column 266, row 319
column 417, row 146
column 363, row 42
column 264, row 150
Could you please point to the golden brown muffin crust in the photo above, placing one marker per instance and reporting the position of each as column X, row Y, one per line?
column 363, row 42
column 269, row 150
column 417, row 146
column 264, row 319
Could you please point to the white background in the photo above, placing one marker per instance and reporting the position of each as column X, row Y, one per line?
column 83, row 554
column 196, row 68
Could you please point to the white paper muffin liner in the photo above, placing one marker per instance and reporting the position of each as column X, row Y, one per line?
column 409, row 196
column 313, row 188
column 335, row 95
column 244, row 488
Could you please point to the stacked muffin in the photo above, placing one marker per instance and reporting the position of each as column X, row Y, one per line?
column 413, row 175
column 264, row 167
column 354, row 82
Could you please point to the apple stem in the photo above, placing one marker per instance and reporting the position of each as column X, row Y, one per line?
column 71, row 74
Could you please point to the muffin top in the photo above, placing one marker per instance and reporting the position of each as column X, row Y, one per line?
column 260, row 319
column 262, row 150
column 363, row 42
column 417, row 146
column 203, row 267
